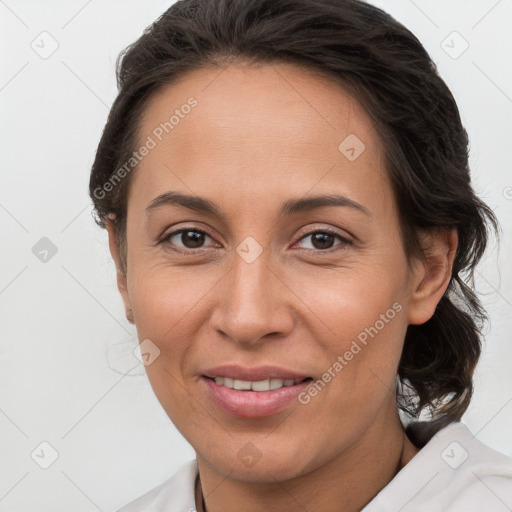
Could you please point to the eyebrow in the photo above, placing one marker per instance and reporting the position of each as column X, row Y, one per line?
column 290, row 207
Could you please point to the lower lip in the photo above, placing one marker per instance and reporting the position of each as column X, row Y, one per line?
column 253, row 404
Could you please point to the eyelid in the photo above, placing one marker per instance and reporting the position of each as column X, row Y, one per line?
column 325, row 229
column 166, row 238
column 331, row 231
column 309, row 232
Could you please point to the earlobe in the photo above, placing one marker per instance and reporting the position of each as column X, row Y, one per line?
column 432, row 275
column 113, row 243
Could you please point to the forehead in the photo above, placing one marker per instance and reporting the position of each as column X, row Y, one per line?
column 275, row 126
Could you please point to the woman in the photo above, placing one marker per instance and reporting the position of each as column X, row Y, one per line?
column 286, row 190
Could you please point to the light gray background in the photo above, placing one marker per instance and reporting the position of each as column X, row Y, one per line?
column 65, row 343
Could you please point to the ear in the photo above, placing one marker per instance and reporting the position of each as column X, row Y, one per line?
column 432, row 274
column 113, row 243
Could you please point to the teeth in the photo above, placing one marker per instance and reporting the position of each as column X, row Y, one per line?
column 262, row 385
column 241, row 384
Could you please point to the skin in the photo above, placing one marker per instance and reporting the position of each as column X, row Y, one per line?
column 259, row 136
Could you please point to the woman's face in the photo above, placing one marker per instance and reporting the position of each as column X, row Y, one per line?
column 266, row 285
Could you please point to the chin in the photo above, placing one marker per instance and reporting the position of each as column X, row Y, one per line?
column 254, row 461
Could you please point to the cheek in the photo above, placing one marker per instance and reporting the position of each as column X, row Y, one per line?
column 337, row 305
column 348, row 301
column 167, row 301
column 343, row 311
column 360, row 324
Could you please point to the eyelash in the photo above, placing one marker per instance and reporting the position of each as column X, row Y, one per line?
column 192, row 252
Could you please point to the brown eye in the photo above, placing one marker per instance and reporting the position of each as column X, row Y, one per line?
column 192, row 239
column 323, row 240
column 186, row 239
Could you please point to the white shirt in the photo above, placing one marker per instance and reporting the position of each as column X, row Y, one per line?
column 453, row 472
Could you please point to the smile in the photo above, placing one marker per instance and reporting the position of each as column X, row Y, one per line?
column 254, row 399
column 261, row 385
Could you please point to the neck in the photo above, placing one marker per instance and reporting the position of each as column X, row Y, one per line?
column 346, row 484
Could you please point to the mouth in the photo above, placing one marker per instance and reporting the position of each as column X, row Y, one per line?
column 259, row 386
column 254, row 399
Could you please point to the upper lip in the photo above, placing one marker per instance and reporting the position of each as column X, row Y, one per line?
column 256, row 374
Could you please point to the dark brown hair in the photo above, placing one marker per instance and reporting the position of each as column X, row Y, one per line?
column 387, row 69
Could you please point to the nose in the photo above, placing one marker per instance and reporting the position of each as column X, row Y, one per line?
column 253, row 303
